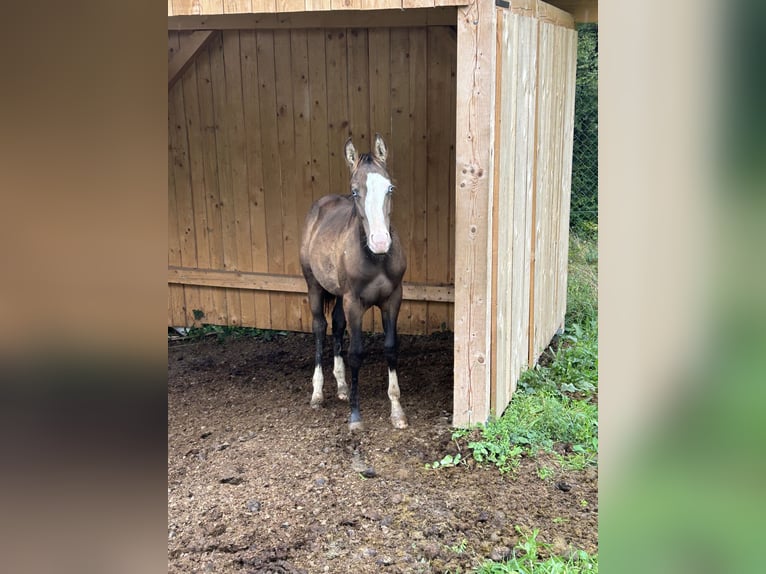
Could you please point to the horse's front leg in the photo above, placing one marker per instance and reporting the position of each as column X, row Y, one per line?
column 390, row 313
column 354, row 310
column 319, row 328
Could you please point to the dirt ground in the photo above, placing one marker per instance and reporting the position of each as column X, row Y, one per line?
column 260, row 482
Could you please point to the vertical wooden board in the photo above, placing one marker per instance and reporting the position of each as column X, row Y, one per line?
column 379, row 51
column 210, row 6
column 438, row 167
column 320, row 166
column 225, row 182
column 235, row 130
column 176, row 304
column 528, row 42
column 318, row 5
column 302, row 106
column 540, row 183
column 237, row 6
column 544, row 184
column 379, row 66
column 417, row 4
column 183, row 197
column 290, row 180
column 508, row 80
column 209, row 131
column 545, row 199
column 359, row 88
column 418, row 263
column 522, row 65
column 346, row 4
column 555, row 221
column 185, row 7
column 170, row 7
column 271, row 168
column 452, row 146
column 380, row 4
column 255, row 184
column 401, row 157
column 497, row 356
column 476, row 52
column 290, row 5
column 198, row 189
column 359, row 108
column 337, row 108
column 264, row 6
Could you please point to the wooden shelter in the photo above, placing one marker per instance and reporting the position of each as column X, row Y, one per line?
column 475, row 102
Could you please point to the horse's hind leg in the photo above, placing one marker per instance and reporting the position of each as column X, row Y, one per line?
column 390, row 313
column 338, row 329
column 319, row 327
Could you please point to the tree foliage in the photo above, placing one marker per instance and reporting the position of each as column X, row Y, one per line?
column 584, row 207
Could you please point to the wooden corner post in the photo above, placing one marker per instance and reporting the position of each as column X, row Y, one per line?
column 474, row 157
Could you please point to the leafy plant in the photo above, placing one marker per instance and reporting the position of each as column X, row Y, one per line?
column 526, row 560
column 555, row 403
column 448, row 460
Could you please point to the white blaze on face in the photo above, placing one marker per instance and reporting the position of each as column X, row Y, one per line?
column 377, row 189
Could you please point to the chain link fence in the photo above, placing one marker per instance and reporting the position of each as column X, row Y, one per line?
column 583, row 219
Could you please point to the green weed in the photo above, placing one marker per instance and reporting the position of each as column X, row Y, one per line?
column 555, row 402
column 447, row 461
column 526, row 560
column 224, row 332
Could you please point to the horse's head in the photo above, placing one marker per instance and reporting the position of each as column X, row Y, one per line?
column 371, row 190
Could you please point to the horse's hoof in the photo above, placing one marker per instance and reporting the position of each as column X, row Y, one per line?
column 399, row 422
column 343, row 395
column 316, row 403
column 356, row 426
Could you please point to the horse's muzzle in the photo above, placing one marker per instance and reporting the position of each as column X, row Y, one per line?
column 379, row 242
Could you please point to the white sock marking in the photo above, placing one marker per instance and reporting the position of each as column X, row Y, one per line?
column 339, row 370
column 393, row 393
column 318, row 382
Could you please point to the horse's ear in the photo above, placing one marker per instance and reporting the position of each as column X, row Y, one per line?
column 349, row 151
column 379, row 149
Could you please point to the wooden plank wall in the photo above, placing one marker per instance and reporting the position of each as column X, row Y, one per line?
column 203, row 7
column 557, row 61
column 256, row 129
column 534, row 121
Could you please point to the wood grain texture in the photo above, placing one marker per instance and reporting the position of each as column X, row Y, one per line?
column 263, row 147
column 400, row 163
column 476, row 49
column 223, row 125
column 271, row 166
column 254, row 162
column 178, row 275
column 268, row 19
column 194, row 134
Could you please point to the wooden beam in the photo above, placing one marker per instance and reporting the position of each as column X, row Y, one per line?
column 583, row 11
column 474, row 170
column 289, row 283
column 190, row 47
column 441, row 16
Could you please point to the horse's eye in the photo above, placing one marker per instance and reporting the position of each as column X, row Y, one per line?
column 355, row 192
column 391, row 189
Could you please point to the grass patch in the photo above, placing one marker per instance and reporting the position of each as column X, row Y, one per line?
column 555, row 402
column 526, row 560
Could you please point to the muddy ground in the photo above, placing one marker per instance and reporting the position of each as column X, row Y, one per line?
column 260, row 482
